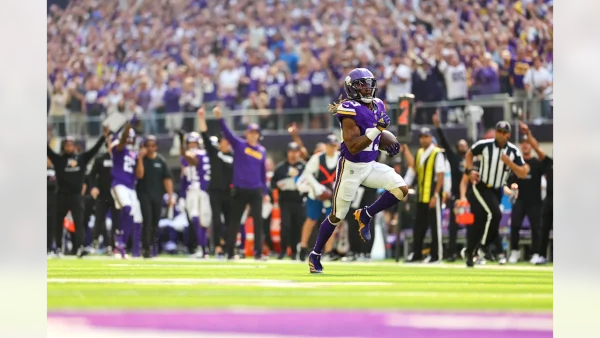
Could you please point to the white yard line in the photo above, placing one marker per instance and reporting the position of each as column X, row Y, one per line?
column 250, row 261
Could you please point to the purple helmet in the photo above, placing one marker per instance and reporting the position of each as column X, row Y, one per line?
column 360, row 84
column 193, row 137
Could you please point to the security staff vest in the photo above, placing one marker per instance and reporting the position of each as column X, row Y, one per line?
column 425, row 174
column 325, row 176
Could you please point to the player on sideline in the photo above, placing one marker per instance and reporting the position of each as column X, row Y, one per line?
column 362, row 118
column 195, row 169
column 125, row 172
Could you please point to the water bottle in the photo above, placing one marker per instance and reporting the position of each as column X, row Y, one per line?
column 514, row 193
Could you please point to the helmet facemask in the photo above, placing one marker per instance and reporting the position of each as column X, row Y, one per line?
column 365, row 89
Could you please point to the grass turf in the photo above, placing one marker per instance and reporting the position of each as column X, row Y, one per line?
column 184, row 283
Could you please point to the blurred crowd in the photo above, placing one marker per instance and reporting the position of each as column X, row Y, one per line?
column 162, row 59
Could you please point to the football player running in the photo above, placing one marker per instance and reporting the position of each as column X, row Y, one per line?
column 362, row 118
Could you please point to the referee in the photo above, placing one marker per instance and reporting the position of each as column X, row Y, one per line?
column 498, row 158
column 221, row 178
column 154, row 181
column 70, row 168
column 249, row 183
column 292, row 211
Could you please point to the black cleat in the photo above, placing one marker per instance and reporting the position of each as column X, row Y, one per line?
column 81, row 252
column 469, row 259
column 303, row 253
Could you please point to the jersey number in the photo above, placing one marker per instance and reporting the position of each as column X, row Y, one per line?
column 128, row 164
column 191, row 174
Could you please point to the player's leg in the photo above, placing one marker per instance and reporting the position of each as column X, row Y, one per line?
column 493, row 203
column 154, row 234
column 125, row 223
column 100, row 221
column 348, row 180
column 62, row 208
column 205, row 220
column 192, row 207
column 138, row 219
column 452, row 232
column 51, row 221
column 516, row 221
column 381, row 177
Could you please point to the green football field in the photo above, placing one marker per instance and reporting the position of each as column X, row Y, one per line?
column 181, row 283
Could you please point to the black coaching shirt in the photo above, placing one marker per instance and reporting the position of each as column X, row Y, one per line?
column 493, row 172
column 530, row 187
column 101, row 174
column 284, row 179
column 221, row 165
column 70, row 168
column 155, row 172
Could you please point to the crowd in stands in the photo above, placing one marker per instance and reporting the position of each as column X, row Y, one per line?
column 164, row 58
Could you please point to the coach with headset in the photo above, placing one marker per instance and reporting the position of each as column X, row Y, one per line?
column 70, row 168
column 154, row 180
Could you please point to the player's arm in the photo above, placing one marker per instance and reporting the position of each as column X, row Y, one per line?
column 124, row 136
column 310, row 170
column 440, row 168
column 139, row 168
column 518, row 166
column 203, row 129
column 277, row 175
column 532, row 141
column 408, row 156
column 352, row 138
column 293, row 130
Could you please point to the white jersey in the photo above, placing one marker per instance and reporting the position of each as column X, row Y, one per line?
column 456, row 80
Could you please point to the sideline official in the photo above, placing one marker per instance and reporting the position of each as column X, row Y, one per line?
column 457, row 168
column 249, row 183
column 70, row 168
column 100, row 178
column 498, row 158
column 290, row 200
column 219, row 188
column 428, row 168
column 154, row 180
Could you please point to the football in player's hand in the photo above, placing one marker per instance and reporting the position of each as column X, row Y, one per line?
column 327, row 194
column 387, row 139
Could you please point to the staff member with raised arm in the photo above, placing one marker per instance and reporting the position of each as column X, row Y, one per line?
column 290, row 199
column 498, row 158
column 100, row 178
column 70, row 170
column 457, row 168
column 154, row 179
column 249, row 182
column 219, row 188
column 548, row 204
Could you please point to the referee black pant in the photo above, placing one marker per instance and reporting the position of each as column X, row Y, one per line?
column 220, row 204
column 485, row 205
column 151, row 207
column 240, row 198
column 292, row 219
column 547, row 225
column 103, row 204
column 428, row 218
column 74, row 203
column 533, row 211
column 51, row 220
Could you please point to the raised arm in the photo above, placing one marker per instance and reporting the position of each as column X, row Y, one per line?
column 189, row 155
column 532, row 140
column 52, row 155
column 88, row 155
column 293, row 130
column 203, row 129
column 230, row 136
column 139, row 168
column 124, row 136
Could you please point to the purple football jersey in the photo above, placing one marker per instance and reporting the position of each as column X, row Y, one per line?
column 123, row 170
column 196, row 176
column 365, row 118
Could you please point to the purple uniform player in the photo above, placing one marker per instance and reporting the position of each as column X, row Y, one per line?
column 362, row 118
column 124, row 178
column 195, row 169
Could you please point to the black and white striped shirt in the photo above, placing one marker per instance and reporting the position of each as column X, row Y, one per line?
column 493, row 172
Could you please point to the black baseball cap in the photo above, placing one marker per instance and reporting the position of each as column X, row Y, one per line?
column 332, row 139
column 503, row 126
column 293, row 146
